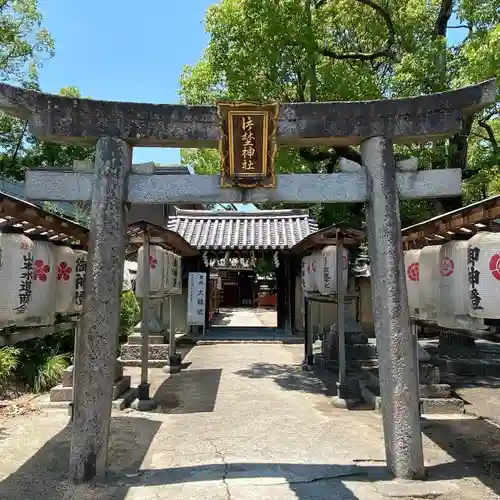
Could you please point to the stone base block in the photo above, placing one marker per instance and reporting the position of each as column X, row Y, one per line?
column 61, row 394
column 133, row 351
column 343, row 404
column 436, row 406
column 429, row 374
column 136, row 339
column 467, row 367
column 67, row 378
column 152, row 363
column 435, row 391
column 143, row 404
column 441, row 406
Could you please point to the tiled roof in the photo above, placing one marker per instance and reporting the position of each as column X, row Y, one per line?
column 264, row 229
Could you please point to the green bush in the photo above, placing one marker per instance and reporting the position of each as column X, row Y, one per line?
column 9, row 361
column 41, row 373
column 43, row 360
column 130, row 313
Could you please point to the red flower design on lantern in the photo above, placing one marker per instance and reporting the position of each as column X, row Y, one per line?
column 64, row 272
column 41, row 270
column 152, row 262
column 413, row 271
column 447, row 267
column 495, row 266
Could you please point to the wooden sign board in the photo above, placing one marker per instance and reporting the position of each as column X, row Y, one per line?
column 248, row 144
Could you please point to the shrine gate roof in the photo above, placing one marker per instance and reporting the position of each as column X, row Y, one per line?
column 262, row 230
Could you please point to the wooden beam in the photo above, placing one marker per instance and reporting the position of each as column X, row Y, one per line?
column 477, row 215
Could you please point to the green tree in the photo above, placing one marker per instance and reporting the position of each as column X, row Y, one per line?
column 320, row 50
column 24, row 42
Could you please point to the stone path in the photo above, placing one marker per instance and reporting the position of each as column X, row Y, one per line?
column 241, row 423
column 243, row 317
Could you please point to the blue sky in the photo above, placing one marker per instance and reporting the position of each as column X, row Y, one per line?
column 125, row 50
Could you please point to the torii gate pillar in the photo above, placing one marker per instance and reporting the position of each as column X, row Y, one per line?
column 396, row 351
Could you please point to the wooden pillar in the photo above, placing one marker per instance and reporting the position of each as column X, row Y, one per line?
column 293, row 284
column 281, row 292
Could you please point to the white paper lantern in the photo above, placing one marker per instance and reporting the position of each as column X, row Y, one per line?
column 16, row 270
column 80, row 273
column 312, row 272
column 453, row 303
column 42, row 307
column 412, row 263
column 326, row 273
column 65, row 279
column 483, row 262
column 429, row 282
column 129, row 275
column 309, row 272
column 156, row 266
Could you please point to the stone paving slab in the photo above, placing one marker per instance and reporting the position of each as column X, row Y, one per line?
column 242, row 422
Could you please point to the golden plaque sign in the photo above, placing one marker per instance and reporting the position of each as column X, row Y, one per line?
column 248, row 144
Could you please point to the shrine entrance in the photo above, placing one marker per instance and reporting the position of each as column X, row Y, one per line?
column 247, row 259
column 248, row 137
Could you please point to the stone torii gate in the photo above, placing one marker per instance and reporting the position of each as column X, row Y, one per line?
column 116, row 127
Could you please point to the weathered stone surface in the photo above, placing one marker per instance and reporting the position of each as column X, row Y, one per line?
column 133, row 351
column 95, row 366
column 61, row 393
column 64, row 119
column 396, row 350
column 58, row 184
column 136, row 339
column 428, row 374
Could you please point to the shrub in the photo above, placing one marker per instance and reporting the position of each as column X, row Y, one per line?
column 45, row 372
column 130, row 313
column 9, row 361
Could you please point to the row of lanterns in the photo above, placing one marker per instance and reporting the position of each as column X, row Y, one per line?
column 456, row 284
column 319, row 271
column 38, row 279
column 165, row 272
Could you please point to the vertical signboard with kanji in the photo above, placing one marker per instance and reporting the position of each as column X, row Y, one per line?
column 248, row 144
column 197, row 290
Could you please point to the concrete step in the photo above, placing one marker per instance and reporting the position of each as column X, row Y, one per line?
column 157, row 355
column 435, row 406
column 461, row 366
column 64, row 395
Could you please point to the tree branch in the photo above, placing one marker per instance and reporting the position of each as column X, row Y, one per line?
column 368, row 56
column 319, row 3
column 443, row 17
column 491, row 135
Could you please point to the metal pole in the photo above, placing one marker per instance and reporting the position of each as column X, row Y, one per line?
column 75, row 370
column 174, row 357
column 143, row 401
column 321, row 327
column 342, row 387
column 309, row 358
column 145, row 316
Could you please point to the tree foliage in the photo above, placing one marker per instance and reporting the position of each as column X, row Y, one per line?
column 321, row 50
column 24, row 44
